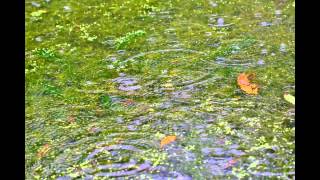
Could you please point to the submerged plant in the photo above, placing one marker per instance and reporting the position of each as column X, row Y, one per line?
column 130, row 37
column 45, row 53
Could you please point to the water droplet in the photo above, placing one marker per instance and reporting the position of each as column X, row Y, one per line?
column 208, row 33
column 283, row 47
column 213, row 4
column 35, row 4
column 67, row 8
column 257, row 15
column 278, row 12
column 38, row 39
column 264, row 51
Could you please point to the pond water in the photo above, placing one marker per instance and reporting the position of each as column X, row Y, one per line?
column 106, row 81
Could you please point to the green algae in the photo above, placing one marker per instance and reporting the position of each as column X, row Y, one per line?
column 172, row 46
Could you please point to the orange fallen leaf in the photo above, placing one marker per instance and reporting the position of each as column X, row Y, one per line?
column 128, row 102
column 166, row 140
column 231, row 163
column 71, row 119
column 243, row 81
column 43, row 150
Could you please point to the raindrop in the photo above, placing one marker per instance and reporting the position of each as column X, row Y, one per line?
column 264, row 51
column 278, row 12
column 38, row 39
column 283, row 47
column 67, row 8
column 35, row 4
column 258, row 15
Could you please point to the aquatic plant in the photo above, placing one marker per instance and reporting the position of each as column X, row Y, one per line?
column 129, row 38
column 45, row 53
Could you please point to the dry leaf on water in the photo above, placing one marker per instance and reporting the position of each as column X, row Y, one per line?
column 289, row 98
column 166, row 140
column 231, row 163
column 243, row 81
column 43, row 150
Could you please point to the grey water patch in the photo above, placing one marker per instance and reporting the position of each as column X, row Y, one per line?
column 220, row 22
column 140, row 168
column 234, row 62
column 207, row 151
column 265, row 24
column 181, row 95
column 64, row 178
column 217, row 165
column 260, row 62
column 119, row 166
column 127, row 83
column 129, row 88
column 163, row 51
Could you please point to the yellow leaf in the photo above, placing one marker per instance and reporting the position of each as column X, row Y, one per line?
column 166, row 140
column 289, row 98
column 245, row 84
column 43, row 150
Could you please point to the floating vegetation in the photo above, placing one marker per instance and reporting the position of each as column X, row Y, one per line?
column 130, row 37
column 160, row 90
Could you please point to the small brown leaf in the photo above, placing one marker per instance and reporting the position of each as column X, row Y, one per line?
column 71, row 119
column 43, row 150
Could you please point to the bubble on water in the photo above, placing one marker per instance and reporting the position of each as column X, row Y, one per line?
column 35, row 4
column 258, row 15
column 283, row 47
column 67, row 8
column 213, row 4
column 264, row 51
column 38, row 39
column 278, row 12
column 208, row 33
